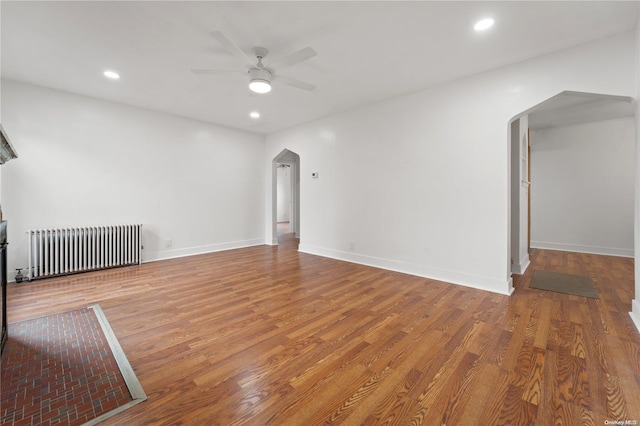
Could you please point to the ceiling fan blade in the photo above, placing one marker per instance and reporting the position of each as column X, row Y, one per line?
column 295, row 83
column 294, row 58
column 231, row 47
column 216, row 72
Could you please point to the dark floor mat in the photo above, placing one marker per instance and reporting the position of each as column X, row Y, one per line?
column 564, row 283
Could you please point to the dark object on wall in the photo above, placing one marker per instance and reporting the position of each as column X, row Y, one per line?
column 6, row 149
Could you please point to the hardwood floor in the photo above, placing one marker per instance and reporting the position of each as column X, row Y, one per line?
column 267, row 335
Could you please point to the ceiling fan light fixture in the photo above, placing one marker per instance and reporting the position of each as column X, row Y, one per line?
column 259, row 80
column 260, row 86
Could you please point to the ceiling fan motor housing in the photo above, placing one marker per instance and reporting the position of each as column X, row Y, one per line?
column 259, row 52
column 260, row 74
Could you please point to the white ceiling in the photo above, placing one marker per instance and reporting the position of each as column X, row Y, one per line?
column 367, row 51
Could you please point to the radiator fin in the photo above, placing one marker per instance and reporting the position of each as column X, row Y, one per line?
column 70, row 250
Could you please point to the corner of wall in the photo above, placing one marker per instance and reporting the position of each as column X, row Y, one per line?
column 635, row 313
column 522, row 265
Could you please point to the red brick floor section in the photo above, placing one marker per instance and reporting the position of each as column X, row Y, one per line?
column 59, row 369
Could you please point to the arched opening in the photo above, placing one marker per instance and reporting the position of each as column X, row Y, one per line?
column 285, row 201
column 533, row 215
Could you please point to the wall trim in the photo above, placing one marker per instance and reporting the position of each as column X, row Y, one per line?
column 154, row 256
column 522, row 266
column 453, row 277
column 635, row 313
column 606, row 251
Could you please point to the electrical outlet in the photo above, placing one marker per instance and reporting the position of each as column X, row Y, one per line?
column 168, row 243
column 352, row 245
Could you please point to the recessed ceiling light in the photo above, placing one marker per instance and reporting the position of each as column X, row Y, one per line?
column 254, row 114
column 484, row 24
column 112, row 75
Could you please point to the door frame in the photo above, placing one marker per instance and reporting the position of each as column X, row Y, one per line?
column 285, row 157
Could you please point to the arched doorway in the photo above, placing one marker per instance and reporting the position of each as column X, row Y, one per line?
column 568, row 108
column 287, row 161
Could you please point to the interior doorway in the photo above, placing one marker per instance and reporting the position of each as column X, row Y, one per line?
column 285, row 197
column 566, row 108
column 284, row 200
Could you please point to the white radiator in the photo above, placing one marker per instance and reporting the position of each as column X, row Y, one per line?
column 67, row 251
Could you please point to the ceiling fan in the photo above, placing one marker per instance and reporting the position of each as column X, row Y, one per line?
column 260, row 76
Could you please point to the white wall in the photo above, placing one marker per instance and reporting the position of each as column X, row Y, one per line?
column 89, row 162
column 420, row 183
column 582, row 197
column 519, row 195
column 635, row 304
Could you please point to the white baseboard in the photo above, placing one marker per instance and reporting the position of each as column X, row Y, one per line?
column 154, row 256
column 635, row 313
column 454, row 277
column 607, row 251
column 521, row 267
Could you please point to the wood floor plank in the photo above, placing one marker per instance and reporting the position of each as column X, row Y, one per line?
column 494, row 402
column 271, row 336
column 450, row 405
column 400, row 381
column 533, row 387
